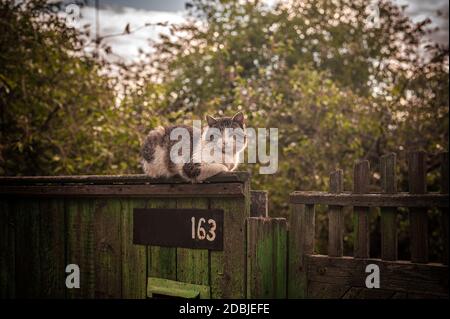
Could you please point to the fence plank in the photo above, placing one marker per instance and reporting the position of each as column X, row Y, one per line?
column 388, row 214
column 162, row 261
column 52, row 248
column 301, row 242
column 361, row 177
column 80, row 244
column 130, row 179
column 370, row 200
column 418, row 216
column 114, row 191
column 444, row 211
column 228, row 266
column 7, row 250
column 402, row 276
column 28, row 265
column 336, row 217
column 192, row 264
column 108, row 248
column 134, row 257
column 266, row 257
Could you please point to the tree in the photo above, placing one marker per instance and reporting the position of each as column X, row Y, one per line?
column 57, row 106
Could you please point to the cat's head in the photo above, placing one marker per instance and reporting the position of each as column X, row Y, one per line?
column 226, row 128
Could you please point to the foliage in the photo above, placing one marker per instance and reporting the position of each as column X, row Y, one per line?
column 57, row 111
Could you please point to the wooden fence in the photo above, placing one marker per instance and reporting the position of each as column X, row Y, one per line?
column 47, row 223
column 281, row 261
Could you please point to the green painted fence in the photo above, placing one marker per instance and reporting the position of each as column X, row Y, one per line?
column 47, row 223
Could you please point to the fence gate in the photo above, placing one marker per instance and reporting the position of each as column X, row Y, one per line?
column 47, row 223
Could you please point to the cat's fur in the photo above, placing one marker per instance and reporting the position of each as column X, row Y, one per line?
column 156, row 159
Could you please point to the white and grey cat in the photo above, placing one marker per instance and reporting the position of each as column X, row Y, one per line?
column 156, row 160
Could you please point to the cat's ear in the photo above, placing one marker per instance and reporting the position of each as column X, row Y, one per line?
column 239, row 118
column 210, row 120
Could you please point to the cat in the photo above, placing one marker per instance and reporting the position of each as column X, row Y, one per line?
column 156, row 148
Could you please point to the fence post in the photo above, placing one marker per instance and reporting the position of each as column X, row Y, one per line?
column 336, row 217
column 418, row 216
column 266, row 257
column 361, row 177
column 301, row 243
column 444, row 211
column 388, row 214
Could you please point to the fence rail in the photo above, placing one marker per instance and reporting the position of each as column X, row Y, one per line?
column 336, row 276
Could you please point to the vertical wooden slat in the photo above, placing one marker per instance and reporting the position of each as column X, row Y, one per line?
column 7, row 250
column 361, row 178
column 134, row 257
column 162, row 261
column 52, row 248
column 259, row 204
column 80, row 244
column 28, row 264
column 388, row 214
column 192, row 264
column 228, row 276
column 418, row 216
column 108, row 248
column 266, row 257
column 444, row 211
column 301, row 243
column 336, row 217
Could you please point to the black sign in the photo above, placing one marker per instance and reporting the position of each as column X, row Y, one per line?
column 188, row 228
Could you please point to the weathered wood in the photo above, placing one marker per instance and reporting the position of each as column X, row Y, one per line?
column 108, row 248
column 266, row 257
column 388, row 214
column 27, row 245
column 7, row 250
column 162, row 261
column 52, row 248
column 116, row 179
column 370, row 200
column 192, row 264
column 418, row 216
column 259, row 204
column 398, row 276
column 134, row 257
column 364, row 293
column 336, row 217
column 80, row 245
column 228, row 276
column 166, row 287
column 301, row 242
column 309, row 229
column 323, row 290
column 114, row 191
column 361, row 178
column 388, row 172
column 444, row 211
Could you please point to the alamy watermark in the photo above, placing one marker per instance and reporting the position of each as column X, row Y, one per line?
column 227, row 146
column 373, row 279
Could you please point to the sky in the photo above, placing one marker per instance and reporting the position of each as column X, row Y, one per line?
column 114, row 15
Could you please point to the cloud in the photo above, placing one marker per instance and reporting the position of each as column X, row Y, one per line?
column 113, row 20
column 114, row 17
column 419, row 10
